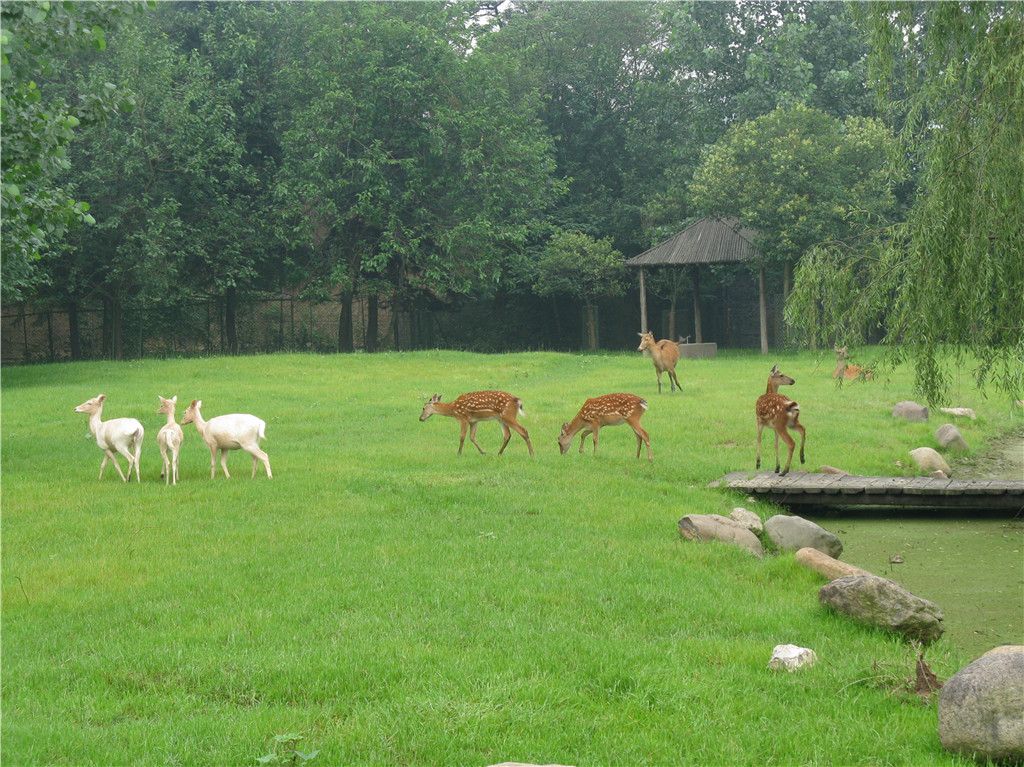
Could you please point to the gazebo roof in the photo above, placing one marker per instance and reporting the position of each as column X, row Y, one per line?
column 709, row 241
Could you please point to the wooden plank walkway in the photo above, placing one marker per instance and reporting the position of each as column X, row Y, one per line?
column 801, row 488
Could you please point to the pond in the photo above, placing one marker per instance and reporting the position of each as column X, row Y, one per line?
column 971, row 566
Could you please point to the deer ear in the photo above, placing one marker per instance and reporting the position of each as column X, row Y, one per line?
column 101, row 397
column 174, row 399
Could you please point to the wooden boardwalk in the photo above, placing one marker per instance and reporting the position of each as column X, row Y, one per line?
column 801, row 488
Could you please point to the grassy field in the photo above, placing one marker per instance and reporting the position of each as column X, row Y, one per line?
column 393, row 603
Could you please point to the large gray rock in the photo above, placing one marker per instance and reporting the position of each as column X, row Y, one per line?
column 795, row 533
column 910, row 411
column 950, row 438
column 881, row 602
column 981, row 708
column 929, row 460
column 715, row 527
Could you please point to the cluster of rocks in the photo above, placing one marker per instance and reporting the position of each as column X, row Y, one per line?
column 929, row 460
column 744, row 528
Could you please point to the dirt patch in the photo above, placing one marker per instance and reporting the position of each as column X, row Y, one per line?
column 1002, row 459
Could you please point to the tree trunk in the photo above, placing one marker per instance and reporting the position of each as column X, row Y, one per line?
column 75, row 331
column 591, row 322
column 345, row 342
column 698, row 334
column 372, row 322
column 230, row 319
column 763, row 301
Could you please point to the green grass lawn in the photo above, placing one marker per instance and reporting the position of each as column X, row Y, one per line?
column 395, row 603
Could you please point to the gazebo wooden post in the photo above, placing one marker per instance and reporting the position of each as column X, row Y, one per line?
column 643, row 303
column 764, row 313
column 697, row 333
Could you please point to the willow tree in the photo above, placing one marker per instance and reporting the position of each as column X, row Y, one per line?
column 946, row 284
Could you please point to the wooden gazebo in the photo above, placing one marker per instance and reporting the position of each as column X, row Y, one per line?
column 709, row 241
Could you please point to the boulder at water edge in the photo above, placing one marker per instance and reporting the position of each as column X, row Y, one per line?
column 981, row 707
column 929, row 460
column 881, row 602
column 715, row 527
column 795, row 533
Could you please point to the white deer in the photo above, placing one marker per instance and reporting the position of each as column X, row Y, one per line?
column 229, row 432
column 169, row 438
column 121, row 434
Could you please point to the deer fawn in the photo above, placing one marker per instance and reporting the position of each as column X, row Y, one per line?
column 781, row 413
column 846, row 371
column 665, row 354
column 169, row 438
column 609, row 410
column 472, row 408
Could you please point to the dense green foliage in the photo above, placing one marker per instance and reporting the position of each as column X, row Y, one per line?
column 945, row 284
column 420, row 156
column 393, row 602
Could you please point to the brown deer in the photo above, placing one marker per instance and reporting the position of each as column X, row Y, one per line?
column 781, row 413
column 469, row 409
column 665, row 355
column 847, row 371
column 609, row 410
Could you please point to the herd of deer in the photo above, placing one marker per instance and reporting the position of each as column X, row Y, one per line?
column 244, row 432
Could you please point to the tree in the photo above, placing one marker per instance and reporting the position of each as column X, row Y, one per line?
column 946, row 284
column 406, row 159
column 37, row 129
column 577, row 265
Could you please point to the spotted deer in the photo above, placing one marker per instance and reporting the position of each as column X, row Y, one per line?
column 472, row 408
column 609, row 410
column 665, row 355
column 781, row 413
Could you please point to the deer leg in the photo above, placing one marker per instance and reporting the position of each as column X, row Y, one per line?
column 583, row 438
column 224, row 462
column 673, row 377
column 522, row 433
column 803, row 438
column 642, row 436
column 659, row 380
column 507, row 435
column 472, row 437
column 593, row 433
column 782, row 432
column 760, row 428
column 112, row 457
column 165, row 472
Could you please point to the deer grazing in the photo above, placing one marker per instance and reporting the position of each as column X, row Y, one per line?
column 121, row 434
column 609, row 410
column 665, row 355
column 169, row 438
column 472, row 408
column 844, row 370
column 229, row 432
column 781, row 413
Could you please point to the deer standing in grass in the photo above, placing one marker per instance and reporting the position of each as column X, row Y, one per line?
column 609, row 410
column 169, row 438
column 121, row 434
column 846, row 371
column 472, row 408
column 781, row 413
column 665, row 355
column 237, row 431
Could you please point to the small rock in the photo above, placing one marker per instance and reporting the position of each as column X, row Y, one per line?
column 928, row 460
column 910, row 411
column 881, row 602
column 949, row 437
column 980, row 708
column 715, row 527
column 747, row 519
column 832, row 470
column 791, row 657
column 938, row 474
column 962, row 412
column 795, row 533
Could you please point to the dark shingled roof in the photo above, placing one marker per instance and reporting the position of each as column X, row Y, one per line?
column 709, row 241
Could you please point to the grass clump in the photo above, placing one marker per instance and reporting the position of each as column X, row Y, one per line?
column 391, row 602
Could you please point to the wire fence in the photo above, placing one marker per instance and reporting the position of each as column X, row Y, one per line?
column 263, row 325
